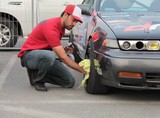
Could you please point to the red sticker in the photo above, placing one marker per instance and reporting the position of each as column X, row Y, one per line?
column 138, row 27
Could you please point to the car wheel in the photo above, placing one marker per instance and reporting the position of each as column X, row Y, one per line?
column 93, row 84
column 8, row 33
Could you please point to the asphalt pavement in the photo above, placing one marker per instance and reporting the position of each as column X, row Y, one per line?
column 18, row 99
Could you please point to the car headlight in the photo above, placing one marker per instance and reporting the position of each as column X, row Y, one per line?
column 112, row 43
column 153, row 45
column 139, row 45
column 126, row 45
column 108, row 42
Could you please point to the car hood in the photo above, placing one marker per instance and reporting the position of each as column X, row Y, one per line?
column 133, row 25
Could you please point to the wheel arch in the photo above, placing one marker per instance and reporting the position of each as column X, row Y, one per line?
column 16, row 22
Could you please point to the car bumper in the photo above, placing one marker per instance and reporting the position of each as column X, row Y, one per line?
column 146, row 64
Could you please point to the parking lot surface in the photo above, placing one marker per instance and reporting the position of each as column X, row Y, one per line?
column 20, row 100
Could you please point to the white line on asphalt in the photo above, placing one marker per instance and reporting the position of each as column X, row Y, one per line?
column 42, row 102
column 7, row 69
column 33, row 112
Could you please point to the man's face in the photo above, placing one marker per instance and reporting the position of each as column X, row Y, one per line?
column 69, row 22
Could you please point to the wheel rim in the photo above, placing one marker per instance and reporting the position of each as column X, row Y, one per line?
column 5, row 34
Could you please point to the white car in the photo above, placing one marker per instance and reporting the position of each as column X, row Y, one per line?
column 18, row 17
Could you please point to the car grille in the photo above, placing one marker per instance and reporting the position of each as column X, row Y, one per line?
column 151, row 81
column 153, row 78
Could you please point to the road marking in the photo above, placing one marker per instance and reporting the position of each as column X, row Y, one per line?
column 7, row 69
column 42, row 102
column 33, row 112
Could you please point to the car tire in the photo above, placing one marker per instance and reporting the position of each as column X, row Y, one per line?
column 10, row 36
column 93, row 84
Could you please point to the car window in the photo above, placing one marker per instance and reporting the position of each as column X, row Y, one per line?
column 129, row 5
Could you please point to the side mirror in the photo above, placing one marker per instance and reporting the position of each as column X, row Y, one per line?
column 85, row 9
column 84, row 12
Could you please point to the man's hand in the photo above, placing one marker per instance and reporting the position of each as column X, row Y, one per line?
column 68, row 49
column 59, row 50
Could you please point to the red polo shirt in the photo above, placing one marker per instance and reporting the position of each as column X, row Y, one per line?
column 46, row 35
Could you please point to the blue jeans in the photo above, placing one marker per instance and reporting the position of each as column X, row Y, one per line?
column 49, row 68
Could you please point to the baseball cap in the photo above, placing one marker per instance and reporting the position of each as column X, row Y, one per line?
column 74, row 11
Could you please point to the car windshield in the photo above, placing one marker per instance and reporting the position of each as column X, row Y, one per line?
column 129, row 5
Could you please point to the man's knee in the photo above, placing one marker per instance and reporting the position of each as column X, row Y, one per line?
column 70, row 83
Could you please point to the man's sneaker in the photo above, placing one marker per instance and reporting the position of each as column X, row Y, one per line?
column 40, row 86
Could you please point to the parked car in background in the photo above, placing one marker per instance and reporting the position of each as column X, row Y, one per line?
column 124, row 36
column 18, row 17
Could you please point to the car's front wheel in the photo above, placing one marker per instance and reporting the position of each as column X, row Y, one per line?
column 8, row 33
column 93, row 84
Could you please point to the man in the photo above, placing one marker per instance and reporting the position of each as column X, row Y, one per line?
column 43, row 44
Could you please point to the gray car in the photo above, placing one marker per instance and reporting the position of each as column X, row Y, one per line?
column 124, row 36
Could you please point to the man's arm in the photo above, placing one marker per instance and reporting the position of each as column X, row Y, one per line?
column 59, row 50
